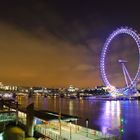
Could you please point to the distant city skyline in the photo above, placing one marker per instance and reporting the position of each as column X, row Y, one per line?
column 57, row 44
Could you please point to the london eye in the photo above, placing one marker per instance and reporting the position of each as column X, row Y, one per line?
column 130, row 82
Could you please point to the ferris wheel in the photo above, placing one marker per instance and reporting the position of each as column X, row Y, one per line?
column 130, row 83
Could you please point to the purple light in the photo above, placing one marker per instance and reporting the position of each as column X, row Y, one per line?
column 122, row 30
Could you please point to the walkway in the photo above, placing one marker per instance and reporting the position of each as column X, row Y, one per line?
column 70, row 133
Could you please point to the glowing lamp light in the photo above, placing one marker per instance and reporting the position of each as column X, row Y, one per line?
column 122, row 130
column 122, row 120
column 112, row 90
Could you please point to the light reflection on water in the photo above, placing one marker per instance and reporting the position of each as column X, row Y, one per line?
column 117, row 117
column 110, row 117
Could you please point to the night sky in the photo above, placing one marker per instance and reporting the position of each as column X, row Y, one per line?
column 55, row 43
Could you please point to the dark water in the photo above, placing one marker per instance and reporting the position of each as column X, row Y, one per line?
column 121, row 118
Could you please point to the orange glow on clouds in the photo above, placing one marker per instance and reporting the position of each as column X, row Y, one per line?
column 27, row 60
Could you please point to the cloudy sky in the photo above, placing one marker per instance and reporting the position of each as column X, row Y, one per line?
column 55, row 43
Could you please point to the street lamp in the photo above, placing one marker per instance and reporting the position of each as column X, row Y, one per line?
column 59, row 116
column 70, row 130
column 76, row 126
column 16, row 112
column 87, row 126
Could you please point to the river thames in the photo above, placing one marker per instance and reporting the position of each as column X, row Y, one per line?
column 116, row 117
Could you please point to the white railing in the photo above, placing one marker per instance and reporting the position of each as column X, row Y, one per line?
column 48, row 133
column 7, row 117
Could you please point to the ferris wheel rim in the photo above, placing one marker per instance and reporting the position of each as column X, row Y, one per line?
column 122, row 30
